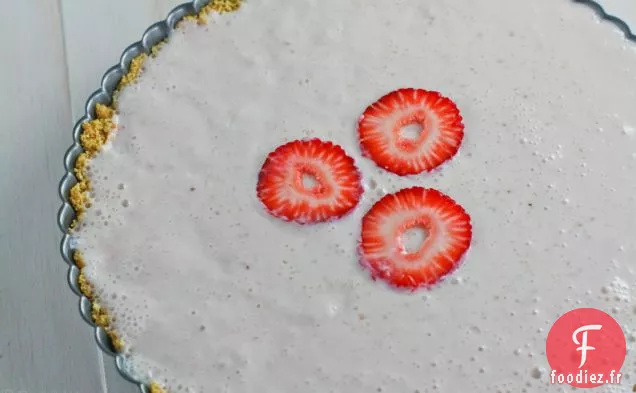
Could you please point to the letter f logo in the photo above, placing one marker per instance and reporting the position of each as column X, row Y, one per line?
column 583, row 344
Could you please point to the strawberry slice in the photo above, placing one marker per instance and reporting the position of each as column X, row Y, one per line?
column 383, row 244
column 410, row 131
column 309, row 181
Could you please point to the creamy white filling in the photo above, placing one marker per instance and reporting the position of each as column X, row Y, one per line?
column 213, row 294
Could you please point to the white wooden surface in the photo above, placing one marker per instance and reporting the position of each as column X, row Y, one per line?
column 52, row 56
column 624, row 9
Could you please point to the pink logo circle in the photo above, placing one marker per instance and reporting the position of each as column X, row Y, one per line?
column 586, row 348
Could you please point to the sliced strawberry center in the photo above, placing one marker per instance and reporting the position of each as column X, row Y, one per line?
column 410, row 132
column 310, row 181
column 412, row 236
